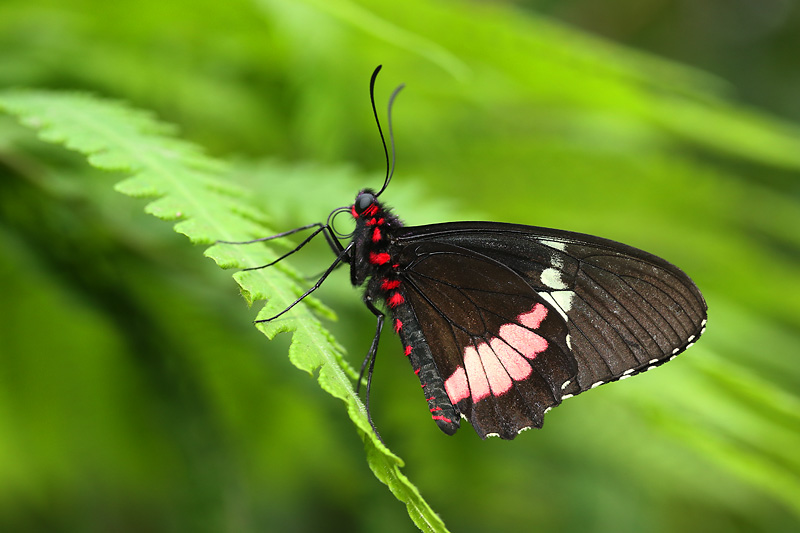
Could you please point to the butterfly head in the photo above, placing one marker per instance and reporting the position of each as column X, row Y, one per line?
column 366, row 204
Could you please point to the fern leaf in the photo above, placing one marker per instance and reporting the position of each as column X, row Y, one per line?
column 188, row 190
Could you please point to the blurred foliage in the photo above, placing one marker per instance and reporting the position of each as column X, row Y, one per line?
column 135, row 395
column 186, row 188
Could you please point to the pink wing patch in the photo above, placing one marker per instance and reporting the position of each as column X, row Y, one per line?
column 478, row 381
column 492, row 367
column 534, row 318
column 499, row 381
column 516, row 366
column 523, row 340
column 456, row 386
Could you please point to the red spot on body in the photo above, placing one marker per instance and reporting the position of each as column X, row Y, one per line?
column 435, row 409
column 371, row 210
column 379, row 259
column 389, row 284
column 396, row 265
column 376, row 235
column 417, row 371
column 381, row 221
column 371, row 222
column 396, row 299
column 398, row 325
column 408, row 352
column 353, row 211
column 440, row 417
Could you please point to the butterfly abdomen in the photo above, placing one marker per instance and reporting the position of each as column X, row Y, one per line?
column 443, row 412
column 375, row 258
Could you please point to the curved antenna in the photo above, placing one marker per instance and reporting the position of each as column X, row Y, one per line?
column 389, row 169
column 391, row 136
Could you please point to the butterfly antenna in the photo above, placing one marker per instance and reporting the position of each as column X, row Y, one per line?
column 389, row 168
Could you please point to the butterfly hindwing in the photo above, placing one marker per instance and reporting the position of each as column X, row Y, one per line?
column 498, row 345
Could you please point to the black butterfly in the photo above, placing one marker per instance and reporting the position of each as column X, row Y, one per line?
column 501, row 322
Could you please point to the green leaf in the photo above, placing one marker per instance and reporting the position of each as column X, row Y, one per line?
column 189, row 189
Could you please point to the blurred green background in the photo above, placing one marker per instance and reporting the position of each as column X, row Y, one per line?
column 135, row 394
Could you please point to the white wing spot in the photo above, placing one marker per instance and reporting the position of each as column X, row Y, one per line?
column 673, row 357
column 557, row 261
column 650, row 368
column 554, row 244
column 676, row 350
column 629, row 371
column 624, row 376
column 569, row 342
column 596, row 384
column 561, row 301
column 493, row 434
column 525, row 428
column 546, row 410
column 653, row 361
column 566, row 383
column 702, row 331
column 564, row 299
column 689, row 345
column 690, row 339
column 567, row 396
column 703, row 323
column 552, row 278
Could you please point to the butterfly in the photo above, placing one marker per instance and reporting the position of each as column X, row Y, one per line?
column 502, row 322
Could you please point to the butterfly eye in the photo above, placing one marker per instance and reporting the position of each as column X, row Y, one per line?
column 363, row 201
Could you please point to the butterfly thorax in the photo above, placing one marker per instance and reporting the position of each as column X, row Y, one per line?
column 374, row 253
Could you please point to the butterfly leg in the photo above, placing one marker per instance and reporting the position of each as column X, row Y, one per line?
column 345, row 253
column 373, row 351
column 279, row 235
column 290, row 252
column 337, row 248
column 325, row 229
column 318, row 274
column 333, row 242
